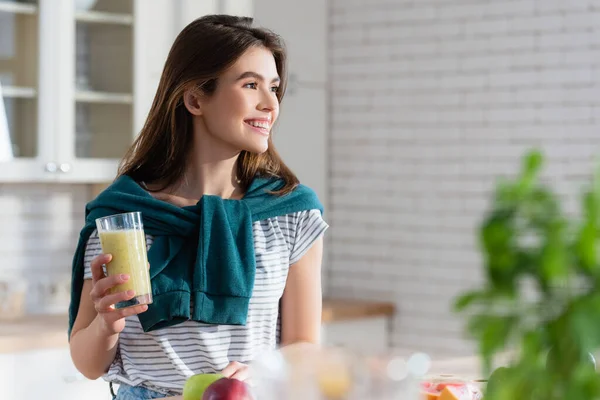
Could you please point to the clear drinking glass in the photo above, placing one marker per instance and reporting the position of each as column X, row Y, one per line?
column 122, row 236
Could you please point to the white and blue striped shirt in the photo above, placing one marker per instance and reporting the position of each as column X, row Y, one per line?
column 162, row 360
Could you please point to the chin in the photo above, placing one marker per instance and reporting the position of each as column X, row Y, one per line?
column 257, row 148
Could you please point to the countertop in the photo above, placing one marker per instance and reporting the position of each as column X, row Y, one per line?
column 335, row 310
column 35, row 332
column 50, row 331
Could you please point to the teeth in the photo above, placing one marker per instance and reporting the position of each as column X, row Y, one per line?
column 264, row 125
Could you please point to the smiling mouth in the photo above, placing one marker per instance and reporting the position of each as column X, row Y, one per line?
column 260, row 127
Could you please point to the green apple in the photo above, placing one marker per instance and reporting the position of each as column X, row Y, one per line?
column 196, row 385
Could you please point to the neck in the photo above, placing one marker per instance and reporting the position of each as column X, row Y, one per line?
column 211, row 170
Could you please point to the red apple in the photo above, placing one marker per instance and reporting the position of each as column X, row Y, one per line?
column 228, row 389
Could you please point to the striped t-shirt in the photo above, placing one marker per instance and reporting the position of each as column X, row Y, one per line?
column 162, row 360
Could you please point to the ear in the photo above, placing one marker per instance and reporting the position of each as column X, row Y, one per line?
column 192, row 101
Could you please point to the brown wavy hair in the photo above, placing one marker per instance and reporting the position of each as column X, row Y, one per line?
column 201, row 52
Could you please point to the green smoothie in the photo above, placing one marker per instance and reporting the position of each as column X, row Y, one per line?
column 129, row 256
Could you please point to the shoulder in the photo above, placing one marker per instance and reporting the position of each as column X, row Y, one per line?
column 297, row 217
column 265, row 199
column 304, row 190
column 123, row 187
column 262, row 185
column 300, row 230
column 293, row 222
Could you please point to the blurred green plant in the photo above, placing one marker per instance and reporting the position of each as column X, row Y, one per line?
column 541, row 293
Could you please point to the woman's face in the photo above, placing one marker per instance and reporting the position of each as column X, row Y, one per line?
column 244, row 106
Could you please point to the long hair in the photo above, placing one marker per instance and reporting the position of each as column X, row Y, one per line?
column 201, row 52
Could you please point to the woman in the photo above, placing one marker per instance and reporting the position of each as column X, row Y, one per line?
column 217, row 200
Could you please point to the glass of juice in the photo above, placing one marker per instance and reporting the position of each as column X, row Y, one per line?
column 122, row 236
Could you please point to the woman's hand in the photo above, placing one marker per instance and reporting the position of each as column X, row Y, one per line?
column 113, row 320
column 236, row 370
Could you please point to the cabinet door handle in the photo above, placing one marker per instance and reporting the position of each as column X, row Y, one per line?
column 64, row 167
column 51, row 167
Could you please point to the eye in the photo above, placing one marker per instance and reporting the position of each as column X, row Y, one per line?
column 251, row 85
column 274, row 89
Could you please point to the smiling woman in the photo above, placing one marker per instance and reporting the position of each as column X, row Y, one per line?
column 234, row 240
column 261, row 124
column 245, row 104
column 241, row 76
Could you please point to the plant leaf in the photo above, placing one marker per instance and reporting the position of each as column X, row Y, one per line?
column 493, row 333
column 466, row 300
column 554, row 259
column 586, row 247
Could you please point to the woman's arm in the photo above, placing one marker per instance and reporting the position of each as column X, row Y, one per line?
column 302, row 300
column 92, row 347
column 300, row 310
column 95, row 333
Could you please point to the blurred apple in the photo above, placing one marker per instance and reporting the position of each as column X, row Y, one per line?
column 196, row 385
column 228, row 389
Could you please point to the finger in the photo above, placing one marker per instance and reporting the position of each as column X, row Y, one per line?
column 230, row 369
column 101, row 287
column 241, row 374
column 129, row 311
column 115, row 315
column 96, row 266
column 105, row 303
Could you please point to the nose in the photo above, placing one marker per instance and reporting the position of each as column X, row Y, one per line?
column 268, row 101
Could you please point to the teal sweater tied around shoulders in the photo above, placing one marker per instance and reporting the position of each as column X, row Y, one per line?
column 203, row 252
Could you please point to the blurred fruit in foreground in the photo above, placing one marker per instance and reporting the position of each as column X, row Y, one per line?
column 334, row 379
column 195, row 385
column 456, row 393
column 449, row 389
column 228, row 389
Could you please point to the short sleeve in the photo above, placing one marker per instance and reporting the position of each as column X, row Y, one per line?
column 307, row 227
column 92, row 250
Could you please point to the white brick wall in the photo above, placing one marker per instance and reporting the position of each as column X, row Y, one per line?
column 430, row 101
column 39, row 229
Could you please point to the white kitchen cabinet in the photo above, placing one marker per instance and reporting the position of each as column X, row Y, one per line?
column 47, row 374
column 77, row 83
column 24, row 41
